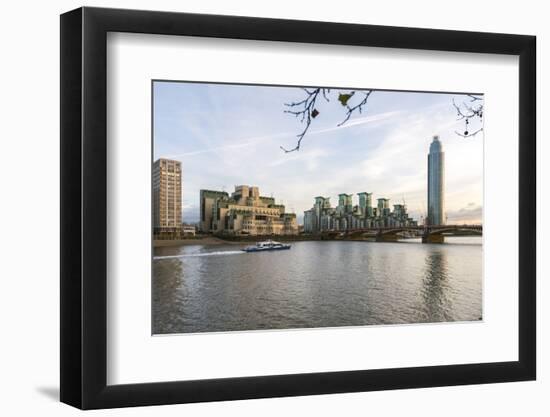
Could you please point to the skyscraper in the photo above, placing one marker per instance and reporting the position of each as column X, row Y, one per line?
column 436, row 183
column 167, row 216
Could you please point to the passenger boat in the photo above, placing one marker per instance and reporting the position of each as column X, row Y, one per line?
column 266, row 246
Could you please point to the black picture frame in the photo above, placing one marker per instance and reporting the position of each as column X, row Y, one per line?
column 84, row 207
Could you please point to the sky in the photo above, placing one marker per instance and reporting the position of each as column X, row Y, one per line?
column 227, row 135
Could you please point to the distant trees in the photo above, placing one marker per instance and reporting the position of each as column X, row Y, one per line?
column 354, row 101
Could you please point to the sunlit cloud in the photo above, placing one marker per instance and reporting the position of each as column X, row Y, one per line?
column 472, row 213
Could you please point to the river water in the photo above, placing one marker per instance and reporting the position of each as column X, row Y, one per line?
column 316, row 284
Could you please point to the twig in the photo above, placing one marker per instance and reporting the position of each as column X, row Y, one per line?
column 469, row 113
column 469, row 134
column 358, row 106
column 306, row 111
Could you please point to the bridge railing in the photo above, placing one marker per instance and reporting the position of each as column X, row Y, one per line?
column 428, row 228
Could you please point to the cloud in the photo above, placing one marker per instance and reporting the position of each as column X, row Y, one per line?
column 397, row 168
column 242, row 143
column 470, row 213
column 191, row 213
column 248, row 142
column 224, row 139
column 357, row 122
column 310, row 159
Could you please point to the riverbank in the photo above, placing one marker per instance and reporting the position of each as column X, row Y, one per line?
column 239, row 240
column 247, row 240
column 205, row 241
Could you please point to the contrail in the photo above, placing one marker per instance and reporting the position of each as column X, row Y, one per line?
column 251, row 141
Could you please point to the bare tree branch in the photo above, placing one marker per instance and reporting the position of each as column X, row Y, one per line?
column 358, row 106
column 468, row 113
column 469, row 134
column 306, row 111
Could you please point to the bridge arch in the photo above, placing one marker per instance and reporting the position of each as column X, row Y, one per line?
column 430, row 234
column 439, row 231
column 398, row 230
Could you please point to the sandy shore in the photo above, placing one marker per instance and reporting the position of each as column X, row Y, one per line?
column 206, row 241
column 212, row 241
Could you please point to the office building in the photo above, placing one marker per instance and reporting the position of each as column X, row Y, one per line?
column 167, row 192
column 244, row 212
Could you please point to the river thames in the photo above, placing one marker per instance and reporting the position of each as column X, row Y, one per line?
column 316, row 284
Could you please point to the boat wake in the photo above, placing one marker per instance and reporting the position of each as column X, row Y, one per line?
column 194, row 255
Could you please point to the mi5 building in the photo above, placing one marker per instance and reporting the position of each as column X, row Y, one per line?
column 245, row 212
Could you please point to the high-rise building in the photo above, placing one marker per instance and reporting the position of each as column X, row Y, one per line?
column 365, row 203
column 167, row 189
column 436, row 183
column 383, row 207
column 322, row 217
column 345, row 204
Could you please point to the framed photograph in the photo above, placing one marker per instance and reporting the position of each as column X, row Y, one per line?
column 257, row 208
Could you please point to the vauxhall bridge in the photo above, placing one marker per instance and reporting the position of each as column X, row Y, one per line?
column 429, row 234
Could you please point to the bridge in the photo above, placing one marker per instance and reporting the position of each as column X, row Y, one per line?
column 429, row 234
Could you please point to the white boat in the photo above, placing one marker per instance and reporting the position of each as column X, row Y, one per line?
column 266, row 246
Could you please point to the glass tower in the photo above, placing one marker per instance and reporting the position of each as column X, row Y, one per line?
column 436, row 183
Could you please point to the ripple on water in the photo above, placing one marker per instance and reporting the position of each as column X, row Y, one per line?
column 316, row 284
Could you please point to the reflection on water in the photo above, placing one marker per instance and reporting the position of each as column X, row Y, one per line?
column 435, row 287
column 316, row 284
